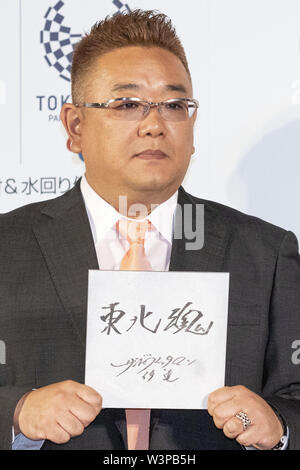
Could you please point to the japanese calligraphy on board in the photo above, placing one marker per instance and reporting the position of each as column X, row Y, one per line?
column 156, row 339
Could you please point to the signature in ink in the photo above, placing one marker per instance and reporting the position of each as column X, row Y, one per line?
column 150, row 366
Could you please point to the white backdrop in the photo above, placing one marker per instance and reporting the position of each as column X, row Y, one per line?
column 244, row 57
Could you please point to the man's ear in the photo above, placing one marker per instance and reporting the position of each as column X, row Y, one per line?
column 71, row 118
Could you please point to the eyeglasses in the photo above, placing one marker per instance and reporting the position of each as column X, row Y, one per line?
column 135, row 109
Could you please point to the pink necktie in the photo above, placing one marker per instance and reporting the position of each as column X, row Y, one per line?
column 138, row 420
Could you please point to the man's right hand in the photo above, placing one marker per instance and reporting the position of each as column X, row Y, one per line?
column 57, row 412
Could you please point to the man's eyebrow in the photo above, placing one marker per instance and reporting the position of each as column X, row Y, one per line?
column 125, row 86
column 133, row 86
column 177, row 87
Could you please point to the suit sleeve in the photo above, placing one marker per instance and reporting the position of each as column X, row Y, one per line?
column 282, row 373
column 9, row 397
column 11, row 389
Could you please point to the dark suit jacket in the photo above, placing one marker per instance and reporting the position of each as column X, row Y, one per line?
column 46, row 251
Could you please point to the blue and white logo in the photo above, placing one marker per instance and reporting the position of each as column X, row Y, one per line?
column 59, row 40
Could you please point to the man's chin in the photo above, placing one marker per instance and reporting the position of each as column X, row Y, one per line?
column 154, row 186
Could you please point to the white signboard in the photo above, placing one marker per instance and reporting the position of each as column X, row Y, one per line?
column 156, row 339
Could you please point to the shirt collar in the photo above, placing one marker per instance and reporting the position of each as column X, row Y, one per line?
column 103, row 216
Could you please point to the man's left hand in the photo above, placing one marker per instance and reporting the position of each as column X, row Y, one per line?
column 265, row 429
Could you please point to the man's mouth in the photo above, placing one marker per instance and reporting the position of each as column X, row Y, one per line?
column 151, row 154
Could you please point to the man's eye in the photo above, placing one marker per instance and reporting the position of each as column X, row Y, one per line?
column 175, row 106
column 128, row 105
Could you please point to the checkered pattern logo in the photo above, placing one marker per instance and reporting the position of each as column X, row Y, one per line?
column 59, row 40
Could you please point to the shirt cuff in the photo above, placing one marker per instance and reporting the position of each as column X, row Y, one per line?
column 21, row 442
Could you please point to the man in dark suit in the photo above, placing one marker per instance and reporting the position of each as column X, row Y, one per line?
column 140, row 147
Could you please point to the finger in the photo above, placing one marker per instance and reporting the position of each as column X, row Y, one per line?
column 57, row 434
column 226, row 410
column 89, row 395
column 83, row 411
column 249, row 437
column 218, row 396
column 233, row 428
column 222, row 412
column 70, row 424
column 223, row 394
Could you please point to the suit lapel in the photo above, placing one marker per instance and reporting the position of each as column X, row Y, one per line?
column 216, row 234
column 66, row 241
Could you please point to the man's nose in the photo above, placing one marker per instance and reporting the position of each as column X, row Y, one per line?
column 152, row 124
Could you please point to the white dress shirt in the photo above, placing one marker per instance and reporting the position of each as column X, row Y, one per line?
column 111, row 246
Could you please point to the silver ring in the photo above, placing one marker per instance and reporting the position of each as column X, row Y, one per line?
column 242, row 416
